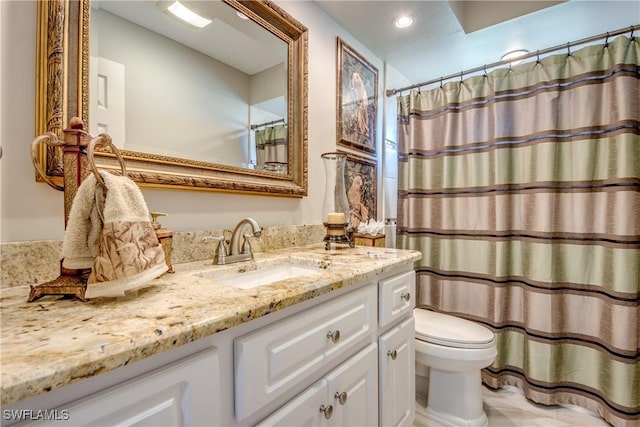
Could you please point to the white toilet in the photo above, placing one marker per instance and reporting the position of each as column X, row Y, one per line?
column 454, row 350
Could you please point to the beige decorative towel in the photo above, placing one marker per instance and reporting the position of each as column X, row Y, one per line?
column 109, row 231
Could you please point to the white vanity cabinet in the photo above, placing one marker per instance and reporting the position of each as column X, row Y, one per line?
column 344, row 358
column 396, row 298
column 184, row 393
column 272, row 360
column 353, row 390
column 389, row 359
column 304, row 410
column 397, row 377
column 396, row 349
column 345, row 397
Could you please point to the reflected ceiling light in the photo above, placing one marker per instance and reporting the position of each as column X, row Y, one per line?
column 242, row 15
column 187, row 15
column 403, row 21
column 512, row 56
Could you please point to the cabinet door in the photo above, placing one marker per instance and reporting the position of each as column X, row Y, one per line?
column 182, row 394
column 309, row 409
column 353, row 390
column 272, row 360
column 397, row 380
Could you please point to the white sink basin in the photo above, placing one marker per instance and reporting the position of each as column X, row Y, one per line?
column 261, row 277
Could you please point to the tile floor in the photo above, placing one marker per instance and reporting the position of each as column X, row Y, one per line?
column 509, row 408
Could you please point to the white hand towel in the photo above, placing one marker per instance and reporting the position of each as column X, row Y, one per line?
column 80, row 244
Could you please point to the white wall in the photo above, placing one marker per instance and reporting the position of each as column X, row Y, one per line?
column 268, row 84
column 393, row 79
column 34, row 211
column 29, row 210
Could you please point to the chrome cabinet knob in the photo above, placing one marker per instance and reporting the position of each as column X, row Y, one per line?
column 327, row 411
column 393, row 354
column 406, row 296
column 334, row 336
column 341, row 397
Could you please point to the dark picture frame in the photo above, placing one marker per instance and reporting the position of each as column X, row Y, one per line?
column 357, row 100
column 361, row 186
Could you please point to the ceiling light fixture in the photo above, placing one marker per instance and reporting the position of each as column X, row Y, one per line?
column 187, row 15
column 512, row 56
column 403, row 21
column 242, row 15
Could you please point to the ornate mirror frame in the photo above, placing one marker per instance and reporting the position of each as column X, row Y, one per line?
column 62, row 92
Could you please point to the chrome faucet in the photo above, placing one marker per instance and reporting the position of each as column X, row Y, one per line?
column 234, row 246
column 235, row 253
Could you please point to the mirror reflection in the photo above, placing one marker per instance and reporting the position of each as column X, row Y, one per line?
column 213, row 94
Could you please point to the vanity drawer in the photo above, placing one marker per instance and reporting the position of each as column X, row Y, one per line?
column 270, row 361
column 397, row 297
column 183, row 393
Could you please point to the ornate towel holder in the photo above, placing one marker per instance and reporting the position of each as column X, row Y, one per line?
column 77, row 159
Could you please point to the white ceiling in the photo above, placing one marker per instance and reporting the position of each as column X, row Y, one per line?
column 236, row 42
column 437, row 45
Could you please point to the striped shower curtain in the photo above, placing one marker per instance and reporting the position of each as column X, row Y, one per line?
column 272, row 148
column 522, row 190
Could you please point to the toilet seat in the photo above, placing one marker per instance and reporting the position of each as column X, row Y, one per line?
column 450, row 331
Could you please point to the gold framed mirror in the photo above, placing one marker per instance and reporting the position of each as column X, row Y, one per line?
column 63, row 82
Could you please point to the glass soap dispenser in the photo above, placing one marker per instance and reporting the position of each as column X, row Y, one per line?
column 335, row 207
column 165, row 237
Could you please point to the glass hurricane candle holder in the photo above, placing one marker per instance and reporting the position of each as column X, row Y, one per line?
column 335, row 207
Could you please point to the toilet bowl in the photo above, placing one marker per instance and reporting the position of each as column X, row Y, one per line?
column 454, row 350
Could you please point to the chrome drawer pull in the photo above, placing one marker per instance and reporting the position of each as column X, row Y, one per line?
column 334, row 336
column 406, row 296
column 393, row 354
column 327, row 411
column 342, row 397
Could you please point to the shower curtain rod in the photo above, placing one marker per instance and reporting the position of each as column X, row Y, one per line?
column 632, row 28
column 267, row 124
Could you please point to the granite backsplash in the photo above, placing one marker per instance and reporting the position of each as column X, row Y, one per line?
column 38, row 261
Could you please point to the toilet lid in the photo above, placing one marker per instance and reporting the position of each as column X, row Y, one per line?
column 450, row 331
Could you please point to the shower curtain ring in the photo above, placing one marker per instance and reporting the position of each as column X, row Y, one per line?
column 441, row 80
column 485, row 70
column 568, row 49
column 537, row 56
column 632, row 30
column 461, row 74
column 606, row 41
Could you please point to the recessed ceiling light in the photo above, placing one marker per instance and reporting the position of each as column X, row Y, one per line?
column 242, row 15
column 187, row 15
column 403, row 21
column 512, row 56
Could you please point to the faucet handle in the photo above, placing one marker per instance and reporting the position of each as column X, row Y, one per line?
column 222, row 248
column 246, row 245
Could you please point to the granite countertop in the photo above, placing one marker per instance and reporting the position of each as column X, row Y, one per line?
column 50, row 343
